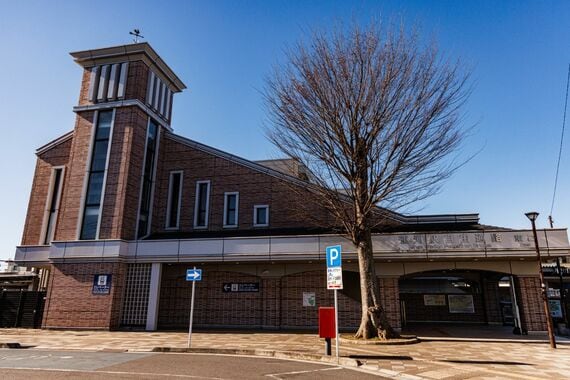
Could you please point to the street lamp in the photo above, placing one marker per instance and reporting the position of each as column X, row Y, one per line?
column 532, row 217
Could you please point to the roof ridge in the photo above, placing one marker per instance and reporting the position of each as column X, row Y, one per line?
column 406, row 219
column 54, row 142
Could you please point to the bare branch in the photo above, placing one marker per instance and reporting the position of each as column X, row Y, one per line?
column 375, row 117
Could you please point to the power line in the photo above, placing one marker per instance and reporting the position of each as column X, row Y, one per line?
column 560, row 149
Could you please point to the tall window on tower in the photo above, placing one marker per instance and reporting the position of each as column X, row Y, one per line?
column 53, row 205
column 96, row 179
column 174, row 199
column 201, row 206
column 148, row 179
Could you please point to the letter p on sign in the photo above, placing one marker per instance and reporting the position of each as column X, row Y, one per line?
column 334, row 258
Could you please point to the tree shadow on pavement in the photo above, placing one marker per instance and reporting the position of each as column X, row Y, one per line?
column 381, row 357
column 485, row 362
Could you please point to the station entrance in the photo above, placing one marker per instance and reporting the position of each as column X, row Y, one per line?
column 457, row 297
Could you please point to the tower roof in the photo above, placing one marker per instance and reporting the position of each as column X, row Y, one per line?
column 132, row 52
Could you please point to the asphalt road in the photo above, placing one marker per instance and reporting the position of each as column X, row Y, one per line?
column 40, row 364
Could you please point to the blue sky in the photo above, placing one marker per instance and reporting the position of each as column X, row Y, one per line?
column 222, row 50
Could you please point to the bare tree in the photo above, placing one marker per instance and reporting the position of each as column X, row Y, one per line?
column 374, row 115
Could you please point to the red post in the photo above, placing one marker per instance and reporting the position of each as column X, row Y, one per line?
column 327, row 328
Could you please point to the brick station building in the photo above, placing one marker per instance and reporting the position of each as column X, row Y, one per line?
column 121, row 207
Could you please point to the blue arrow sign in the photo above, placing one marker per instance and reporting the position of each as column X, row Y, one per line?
column 334, row 256
column 194, row 275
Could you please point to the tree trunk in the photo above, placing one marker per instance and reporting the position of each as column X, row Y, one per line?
column 374, row 322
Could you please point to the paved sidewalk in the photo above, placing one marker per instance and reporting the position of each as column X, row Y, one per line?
column 430, row 359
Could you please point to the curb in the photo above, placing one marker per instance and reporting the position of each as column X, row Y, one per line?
column 346, row 362
column 559, row 340
column 391, row 342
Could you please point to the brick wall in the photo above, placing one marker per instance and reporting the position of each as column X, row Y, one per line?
column 137, row 81
column 122, row 189
column 70, row 302
column 294, row 314
column 84, row 89
column 289, row 206
column 271, row 302
column 57, row 156
column 390, row 298
column 530, row 303
column 122, row 184
column 212, row 306
column 75, row 177
column 287, row 209
column 278, row 304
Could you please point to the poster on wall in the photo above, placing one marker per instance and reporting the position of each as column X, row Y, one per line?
column 461, row 303
column 434, row 300
column 101, row 284
column 309, row 299
column 555, row 308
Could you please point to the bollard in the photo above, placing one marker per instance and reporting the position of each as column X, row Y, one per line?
column 328, row 346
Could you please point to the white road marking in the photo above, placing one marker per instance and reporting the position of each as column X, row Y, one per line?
column 276, row 375
column 113, row 373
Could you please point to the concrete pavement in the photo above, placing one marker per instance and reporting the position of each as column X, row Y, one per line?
column 52, row 364
column 437, row 359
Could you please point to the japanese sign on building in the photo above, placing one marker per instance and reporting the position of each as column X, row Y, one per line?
column 101, row 284
column 243, row 287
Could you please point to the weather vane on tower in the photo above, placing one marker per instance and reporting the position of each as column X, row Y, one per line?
column 137, row 34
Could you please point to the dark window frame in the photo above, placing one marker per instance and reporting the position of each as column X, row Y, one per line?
column 174, row 201
column 52, row 211
column 202, row 204
column 227, row 210
column 256, row 222
column 148, row 174
column 101, row 138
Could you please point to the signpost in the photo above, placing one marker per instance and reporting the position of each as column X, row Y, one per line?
column 192, row 275
column 334, row 282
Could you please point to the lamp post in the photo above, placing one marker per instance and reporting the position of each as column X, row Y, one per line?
column 532, row 217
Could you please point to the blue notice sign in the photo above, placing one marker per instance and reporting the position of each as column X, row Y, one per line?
column 194, row 275
column 101, row 284
column 334, row 256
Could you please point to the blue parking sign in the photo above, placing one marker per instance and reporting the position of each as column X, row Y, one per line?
column 334, row 256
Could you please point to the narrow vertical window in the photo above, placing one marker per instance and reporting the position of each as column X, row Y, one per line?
column 202, row 204
column 103, row 83
column 147, row 179
column 174, row 200
column 92, row 206
column 94, row 84
column 261, row 216
column 53, row 205
column 231, row 202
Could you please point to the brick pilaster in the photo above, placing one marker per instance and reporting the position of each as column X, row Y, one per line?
column 530, row 303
